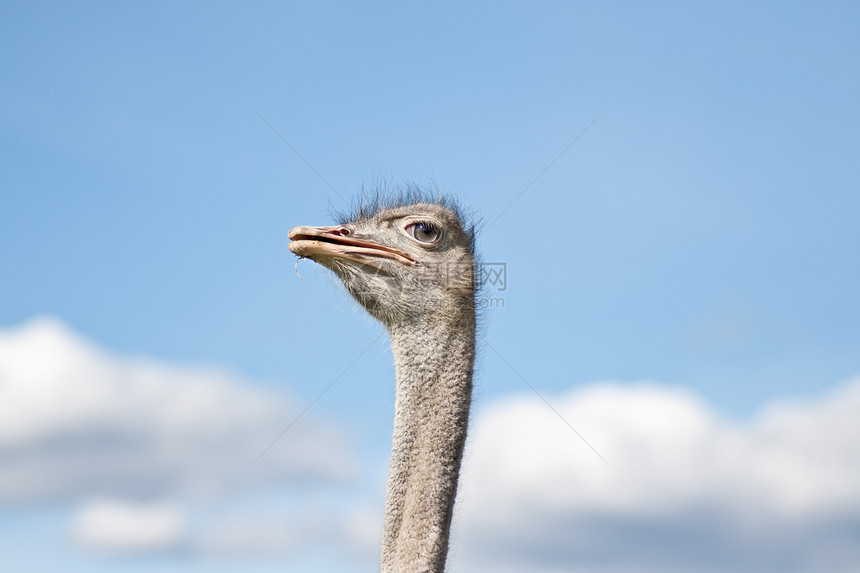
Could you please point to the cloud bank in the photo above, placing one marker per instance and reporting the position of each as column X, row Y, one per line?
column 157, row 460
column 687, row 489
column 76, row 421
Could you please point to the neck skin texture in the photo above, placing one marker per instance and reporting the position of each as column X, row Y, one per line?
column 434, row 360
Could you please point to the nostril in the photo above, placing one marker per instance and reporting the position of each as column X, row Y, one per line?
column 342, row 232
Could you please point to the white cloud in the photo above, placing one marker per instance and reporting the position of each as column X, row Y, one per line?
column 122, row 527
column 158, row 458
column 687, row 489
column 284, row 528
column 253, row 530
column 76, row 421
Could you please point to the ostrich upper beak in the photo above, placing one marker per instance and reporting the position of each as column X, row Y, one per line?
column 338, row 242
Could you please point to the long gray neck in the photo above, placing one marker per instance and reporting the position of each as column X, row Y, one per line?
column 434, row 363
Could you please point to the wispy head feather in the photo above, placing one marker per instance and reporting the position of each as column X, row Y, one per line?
column 386, row 195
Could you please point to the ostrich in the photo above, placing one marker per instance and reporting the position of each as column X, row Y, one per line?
column 411, row 264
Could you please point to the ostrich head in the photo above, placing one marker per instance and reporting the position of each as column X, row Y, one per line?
column 400, row 261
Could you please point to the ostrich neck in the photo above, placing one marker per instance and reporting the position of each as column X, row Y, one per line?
column 434, row 362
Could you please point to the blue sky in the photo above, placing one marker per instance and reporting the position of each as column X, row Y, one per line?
column 701, row 234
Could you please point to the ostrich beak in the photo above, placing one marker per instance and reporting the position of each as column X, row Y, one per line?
column 337, row 241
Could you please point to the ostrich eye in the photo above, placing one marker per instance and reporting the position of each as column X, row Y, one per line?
column 424, row 232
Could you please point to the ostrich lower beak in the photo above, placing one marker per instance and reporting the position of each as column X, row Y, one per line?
column 311, row 242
